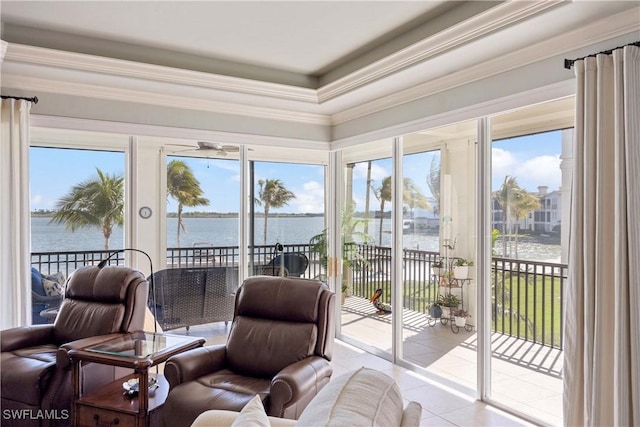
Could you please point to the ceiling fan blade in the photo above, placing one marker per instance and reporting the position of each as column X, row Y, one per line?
column 207, row 145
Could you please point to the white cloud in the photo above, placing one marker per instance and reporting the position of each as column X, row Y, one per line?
column 503, row 163
column 530, row 173
column 541, row 170
column 310, row 199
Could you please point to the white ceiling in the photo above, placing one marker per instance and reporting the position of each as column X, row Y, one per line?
column 303, row 37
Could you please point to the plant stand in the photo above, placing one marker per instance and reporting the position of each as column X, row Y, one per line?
column 450, row 283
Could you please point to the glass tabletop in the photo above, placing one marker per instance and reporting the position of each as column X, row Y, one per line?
column 140, row 344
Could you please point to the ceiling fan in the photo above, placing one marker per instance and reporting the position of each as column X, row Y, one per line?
column 218, row 148
column 222, row 149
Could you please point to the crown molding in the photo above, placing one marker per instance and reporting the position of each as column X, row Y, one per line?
column 596, row 32
column 3, row 49
column 493, row 19
column 164, row 100
column 470, row 112
column 497, row 17
column 178, row 133
column 242, row 92
column 119, row 67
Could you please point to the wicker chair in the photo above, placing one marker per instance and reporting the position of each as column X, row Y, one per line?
column 189, row 296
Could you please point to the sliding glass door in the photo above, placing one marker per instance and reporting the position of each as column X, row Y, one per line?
column 530, row 183
column 438, row 233
column 366, row 229
column 287, row 233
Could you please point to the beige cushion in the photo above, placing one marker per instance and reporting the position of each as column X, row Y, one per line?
column 361, row 398
column 252, row 415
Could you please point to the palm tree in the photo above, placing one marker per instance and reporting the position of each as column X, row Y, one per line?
column 272, row 194
column 504, row 196
column 411, row 195
column 523, row 204
column 516, row 202
column 183, row 186
column 97, row 202
column 433, row 181
column 383, row 194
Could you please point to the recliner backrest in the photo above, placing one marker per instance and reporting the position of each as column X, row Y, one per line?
column 277, row 322
column 101, row 301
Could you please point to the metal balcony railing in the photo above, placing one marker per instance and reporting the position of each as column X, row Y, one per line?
column 526, row 296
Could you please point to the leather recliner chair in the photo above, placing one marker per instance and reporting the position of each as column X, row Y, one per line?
column 36, row 369
column 279, row 347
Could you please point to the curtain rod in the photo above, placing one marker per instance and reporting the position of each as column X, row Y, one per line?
column 568, row 63
column 34, row 99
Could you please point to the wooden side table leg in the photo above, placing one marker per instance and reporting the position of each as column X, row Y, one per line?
column 75, row 384
column 143, row 396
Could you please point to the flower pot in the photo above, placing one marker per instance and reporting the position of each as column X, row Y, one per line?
column 446, row 311
column 461, row 272
column 460, row 321
column 435, row 312
column 344, row 297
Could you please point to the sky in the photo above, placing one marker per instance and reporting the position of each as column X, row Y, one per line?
column 534, row 160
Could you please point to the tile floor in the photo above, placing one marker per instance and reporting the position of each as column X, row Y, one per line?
column 441, row 405
column 526, row 377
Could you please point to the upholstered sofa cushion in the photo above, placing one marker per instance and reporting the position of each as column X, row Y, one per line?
column 364, row 397
column 361, row 398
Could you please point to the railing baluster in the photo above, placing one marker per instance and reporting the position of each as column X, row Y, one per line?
column 510, row 278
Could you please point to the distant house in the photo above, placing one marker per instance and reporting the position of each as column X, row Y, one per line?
column 544, row 220
column 548, row 217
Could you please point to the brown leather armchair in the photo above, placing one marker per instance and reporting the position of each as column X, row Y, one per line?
column 36, row 369
column 279, row 347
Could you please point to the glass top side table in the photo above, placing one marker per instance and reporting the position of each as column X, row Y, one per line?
column 138, row 351
column 140, row 344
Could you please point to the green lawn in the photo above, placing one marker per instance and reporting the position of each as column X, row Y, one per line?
column 528, row 308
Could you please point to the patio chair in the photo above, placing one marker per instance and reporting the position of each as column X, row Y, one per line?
column 190, row 296
column 296, row 263
column 44, row 299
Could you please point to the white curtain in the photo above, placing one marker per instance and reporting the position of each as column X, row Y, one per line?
column 15, row 225
column 602, row 334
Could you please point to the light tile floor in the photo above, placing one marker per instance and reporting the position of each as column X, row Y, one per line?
column 526, row 377
column 442, row 405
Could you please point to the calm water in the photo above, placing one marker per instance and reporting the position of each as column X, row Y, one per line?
column 49, row 237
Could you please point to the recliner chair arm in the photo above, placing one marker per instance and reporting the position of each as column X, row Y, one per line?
column 194, row 363
column 26, row 336
column 294, row 387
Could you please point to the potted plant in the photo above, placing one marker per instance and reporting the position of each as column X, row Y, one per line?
column 461, row 268
column 448, row 302
column 352, row 259
column 435, row 311
column 460, row 317
column 438, row 268
column 345, row 287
